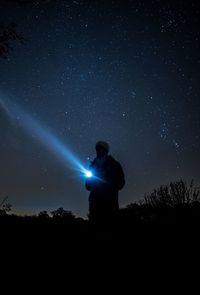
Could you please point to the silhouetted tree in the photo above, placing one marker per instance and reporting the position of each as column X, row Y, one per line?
column 175, row 193
column 5, row 207
column 43, row 214
column 62, row 213
column 9, row 34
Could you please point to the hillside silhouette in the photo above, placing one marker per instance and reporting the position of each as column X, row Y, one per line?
column 169, row 212
column 153, row 239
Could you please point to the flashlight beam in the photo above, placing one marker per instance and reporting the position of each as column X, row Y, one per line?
column 47, row 138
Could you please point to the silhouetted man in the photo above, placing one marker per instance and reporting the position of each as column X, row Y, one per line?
column 107, row 179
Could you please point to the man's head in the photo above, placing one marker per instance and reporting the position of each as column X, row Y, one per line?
column 102, row 149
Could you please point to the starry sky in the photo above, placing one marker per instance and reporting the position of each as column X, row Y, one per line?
column 126, row 72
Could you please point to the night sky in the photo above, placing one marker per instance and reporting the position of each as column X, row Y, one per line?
column 126, row 72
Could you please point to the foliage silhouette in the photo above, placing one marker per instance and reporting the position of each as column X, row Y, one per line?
column 5, row 207
column 43, row 214
column 170, row 214
column 62, row 213
column 9, row 33
column 175, row 193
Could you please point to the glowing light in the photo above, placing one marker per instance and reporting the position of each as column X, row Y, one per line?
column 88, row 174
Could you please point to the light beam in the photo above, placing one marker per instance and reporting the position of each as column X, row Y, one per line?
column 47, row 138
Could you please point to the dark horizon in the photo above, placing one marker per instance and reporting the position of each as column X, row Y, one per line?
column 126, row 72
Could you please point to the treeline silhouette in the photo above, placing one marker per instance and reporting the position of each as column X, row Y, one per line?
column 145, row 239
column 169, row 211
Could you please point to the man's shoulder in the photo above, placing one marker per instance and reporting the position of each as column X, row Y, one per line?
column 112, row 160
column 118, row 172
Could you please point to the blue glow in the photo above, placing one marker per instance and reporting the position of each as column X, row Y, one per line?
column 88, row 174
column 47, row 138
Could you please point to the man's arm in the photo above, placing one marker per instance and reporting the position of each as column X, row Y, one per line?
column 120, row 176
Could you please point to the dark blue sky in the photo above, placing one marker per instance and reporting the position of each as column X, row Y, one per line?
column 122, row 71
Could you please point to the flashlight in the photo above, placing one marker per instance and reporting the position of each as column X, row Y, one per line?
column 88, row 174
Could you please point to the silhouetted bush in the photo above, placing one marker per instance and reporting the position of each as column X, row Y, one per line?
column 62, row 213
column 8, row 35
column 175, row 193
column 43, row 214
column 5, row 207
column 169, row 212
